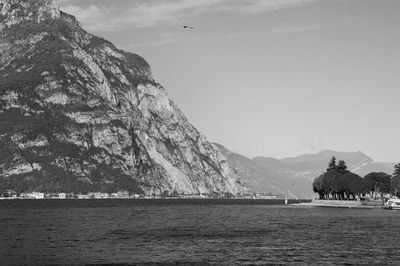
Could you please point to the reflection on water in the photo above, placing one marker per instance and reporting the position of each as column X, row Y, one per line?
column 197, row 232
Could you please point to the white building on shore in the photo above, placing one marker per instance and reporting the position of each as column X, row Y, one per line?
column 32, row 195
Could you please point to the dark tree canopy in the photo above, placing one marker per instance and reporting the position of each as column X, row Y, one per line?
column 396, row 169
column 341, row 184
column 377, row 183
column 337, row 184
column 396, row 185
column 317, row 184
column 353, row 183
column 342, row 167
column 332, row 164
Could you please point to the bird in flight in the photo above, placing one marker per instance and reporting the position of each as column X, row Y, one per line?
column 188, row 27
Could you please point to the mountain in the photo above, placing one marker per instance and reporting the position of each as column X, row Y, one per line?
column 295, row 175
column 79, row 115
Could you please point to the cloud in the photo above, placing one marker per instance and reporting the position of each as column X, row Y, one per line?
column 308, row 145
column 119, row 15
column 138, row 14
column 233, row 35
column 292, row 29
column 311, row 146
column 165, row 39
column 262, row 6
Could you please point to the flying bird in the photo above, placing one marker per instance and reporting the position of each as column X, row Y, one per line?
column 188, row 27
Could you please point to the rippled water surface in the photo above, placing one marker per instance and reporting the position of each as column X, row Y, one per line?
column 130, row 232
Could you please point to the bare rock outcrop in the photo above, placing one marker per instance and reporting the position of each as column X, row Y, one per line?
column 78, row 115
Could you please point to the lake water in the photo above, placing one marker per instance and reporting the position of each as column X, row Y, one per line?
column 193, row 232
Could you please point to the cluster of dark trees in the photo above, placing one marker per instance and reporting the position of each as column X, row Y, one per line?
column 340, row 184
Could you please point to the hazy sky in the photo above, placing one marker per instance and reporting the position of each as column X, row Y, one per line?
column 269, row 77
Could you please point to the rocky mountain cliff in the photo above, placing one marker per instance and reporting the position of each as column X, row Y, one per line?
column 78, row 114
column 295, row 175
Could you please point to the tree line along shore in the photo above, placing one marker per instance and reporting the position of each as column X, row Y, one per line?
column 338, row 183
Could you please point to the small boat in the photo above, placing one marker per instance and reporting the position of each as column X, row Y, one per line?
column 392, row 204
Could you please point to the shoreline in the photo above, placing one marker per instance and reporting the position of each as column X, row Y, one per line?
column 292, row 202
column 12, row 195
column 347, row 204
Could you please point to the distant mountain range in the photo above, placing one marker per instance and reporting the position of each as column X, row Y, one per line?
column 295, row 175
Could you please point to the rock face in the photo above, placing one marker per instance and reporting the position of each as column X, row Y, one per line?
column 79, row 115
column 296, row 175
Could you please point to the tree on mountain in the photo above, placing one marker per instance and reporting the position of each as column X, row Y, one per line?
column 332, row 164
column 342, row 167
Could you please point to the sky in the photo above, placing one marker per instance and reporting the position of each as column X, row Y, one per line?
column 275, row 78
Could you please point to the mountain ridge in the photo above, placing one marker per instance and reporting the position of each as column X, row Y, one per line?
column 78, row 114
column 294, row 175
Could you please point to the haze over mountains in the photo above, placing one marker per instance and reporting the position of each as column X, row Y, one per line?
column 295, row 175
